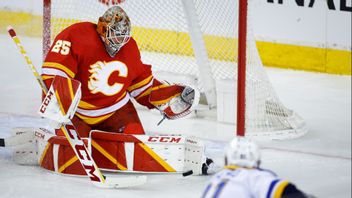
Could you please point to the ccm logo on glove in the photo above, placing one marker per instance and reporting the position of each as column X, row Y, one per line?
column 46, row 102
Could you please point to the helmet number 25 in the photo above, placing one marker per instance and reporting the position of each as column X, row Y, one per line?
column 62, row 47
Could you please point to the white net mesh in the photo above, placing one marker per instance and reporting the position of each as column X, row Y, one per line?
column 161, row 30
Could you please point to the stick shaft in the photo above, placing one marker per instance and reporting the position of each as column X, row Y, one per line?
column 29, row 62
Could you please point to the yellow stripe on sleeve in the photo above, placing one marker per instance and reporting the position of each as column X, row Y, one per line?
column 95, row 120
column 46, row 77
column 146, row 92
column 280, row 189
column 155, row 103
column 140, row 84
column 85, row 105
column 231, row 167
column 61, row 67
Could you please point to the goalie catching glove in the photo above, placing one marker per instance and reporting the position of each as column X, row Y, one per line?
column 178, row 106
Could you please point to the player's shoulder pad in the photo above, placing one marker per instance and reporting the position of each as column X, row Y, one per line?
column 272, row 173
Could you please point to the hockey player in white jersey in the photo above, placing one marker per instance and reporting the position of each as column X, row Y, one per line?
column 242, row 177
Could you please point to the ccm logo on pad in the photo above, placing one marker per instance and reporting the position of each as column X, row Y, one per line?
column 164, row 139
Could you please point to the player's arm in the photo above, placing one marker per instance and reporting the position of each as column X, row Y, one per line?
column 284, row 189
column 172, row 100
column 265, row 183
column 60, row 59
column 291, row 191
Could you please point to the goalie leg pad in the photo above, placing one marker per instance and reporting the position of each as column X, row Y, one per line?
column 57, row 155
column 194, row 155
column 25, row 154
column 34, row 146
column 113, row 152
column 144, row 153
column 24, row 146
column 124, row 152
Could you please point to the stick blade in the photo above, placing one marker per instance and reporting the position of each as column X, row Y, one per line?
column 187, row 173
column 122, row 182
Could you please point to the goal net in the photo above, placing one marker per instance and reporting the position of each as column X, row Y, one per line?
column 193, row 42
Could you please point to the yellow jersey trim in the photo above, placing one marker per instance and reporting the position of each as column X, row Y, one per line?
column 59, row 66
column 140, row 84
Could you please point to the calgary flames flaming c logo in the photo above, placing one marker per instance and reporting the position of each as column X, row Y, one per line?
column 100, row 74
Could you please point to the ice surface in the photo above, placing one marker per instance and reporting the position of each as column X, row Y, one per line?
column 318, row 163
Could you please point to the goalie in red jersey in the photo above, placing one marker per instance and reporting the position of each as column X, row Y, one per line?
column 105, row 59
column 98, row 68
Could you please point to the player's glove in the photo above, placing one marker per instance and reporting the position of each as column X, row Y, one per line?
column 180, row 105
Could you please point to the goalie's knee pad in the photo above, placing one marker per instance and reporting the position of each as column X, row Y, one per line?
column 25, row 154
column 57, row 155
column 144, row 153
column 35, row 146
column 24, row 146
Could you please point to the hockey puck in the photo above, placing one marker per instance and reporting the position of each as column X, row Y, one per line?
column 2, row 142
column 187, row 173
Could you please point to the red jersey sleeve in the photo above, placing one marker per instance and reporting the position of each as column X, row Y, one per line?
column 60, row 59
column 147, row 90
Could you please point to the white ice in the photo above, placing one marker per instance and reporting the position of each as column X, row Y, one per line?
column 319, row 163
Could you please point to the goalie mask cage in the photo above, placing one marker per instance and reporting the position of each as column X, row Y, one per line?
column 194, row 42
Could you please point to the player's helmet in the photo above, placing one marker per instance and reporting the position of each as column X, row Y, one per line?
column 243, row 152
column 115, row 29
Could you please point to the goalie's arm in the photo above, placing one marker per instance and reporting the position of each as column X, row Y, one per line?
column 177, row 105
column 173, row 101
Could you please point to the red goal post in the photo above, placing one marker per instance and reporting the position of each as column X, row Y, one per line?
column 241, row 74
column 206, row 43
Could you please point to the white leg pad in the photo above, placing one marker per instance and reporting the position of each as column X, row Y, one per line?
column 194, row 155
column 25, row 154
column 25, row 144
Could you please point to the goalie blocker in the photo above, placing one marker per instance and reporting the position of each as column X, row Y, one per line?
column 111, row 152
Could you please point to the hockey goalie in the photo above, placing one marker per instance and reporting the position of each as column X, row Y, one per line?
column 93, row 72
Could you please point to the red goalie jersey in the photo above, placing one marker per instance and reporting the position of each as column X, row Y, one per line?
column 107, row 82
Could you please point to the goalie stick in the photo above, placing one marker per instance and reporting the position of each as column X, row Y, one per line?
column 2, row 142
column 81, row 151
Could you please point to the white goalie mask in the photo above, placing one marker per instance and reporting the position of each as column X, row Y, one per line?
column 243, row 152
column 115, row 29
